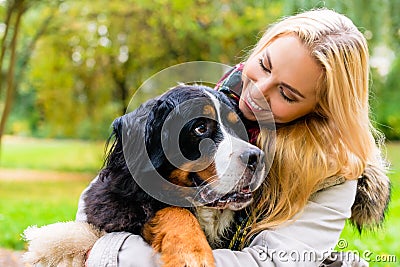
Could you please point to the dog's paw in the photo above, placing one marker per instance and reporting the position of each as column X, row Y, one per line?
column 177, row 235
column 184, row 255
column 187, row 247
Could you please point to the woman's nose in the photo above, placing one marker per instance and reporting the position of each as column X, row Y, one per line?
column 264, row 86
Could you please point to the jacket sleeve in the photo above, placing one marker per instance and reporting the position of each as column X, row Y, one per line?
column 305, row 242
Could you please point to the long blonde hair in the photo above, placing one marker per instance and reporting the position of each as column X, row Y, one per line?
column 335, row 140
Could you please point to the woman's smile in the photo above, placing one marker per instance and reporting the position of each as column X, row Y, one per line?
column 255, row 108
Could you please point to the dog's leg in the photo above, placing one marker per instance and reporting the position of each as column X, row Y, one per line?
column 177, row 235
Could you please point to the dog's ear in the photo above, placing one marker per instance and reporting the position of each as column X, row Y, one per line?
column 127, row 139
column 156, row 133
column 117, row 127
column 114, row 158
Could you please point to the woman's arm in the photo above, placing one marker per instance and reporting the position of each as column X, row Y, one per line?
column 304, row 242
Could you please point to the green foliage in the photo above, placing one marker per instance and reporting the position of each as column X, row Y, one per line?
column 89, row 60
column 394, row 28
column 388, row 108
column 370, row 25
column 92, row 59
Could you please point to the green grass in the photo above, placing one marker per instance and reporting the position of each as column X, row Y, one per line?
column 35, row 203
column 24, row 203
column 49, row 154
column 385, row 241
column 30, row 202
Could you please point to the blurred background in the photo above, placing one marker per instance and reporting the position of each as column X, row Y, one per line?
column 68, row 68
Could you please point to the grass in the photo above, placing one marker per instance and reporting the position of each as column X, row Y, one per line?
column 32, row 201
column 24, row 203
column 35, row 203
column 382, row 245
column 49, row 154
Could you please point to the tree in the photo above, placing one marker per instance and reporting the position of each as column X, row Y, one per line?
column 15, row 10
column 12, row 66
column 85, row 73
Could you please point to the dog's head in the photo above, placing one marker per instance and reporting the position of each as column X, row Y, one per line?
column 194, row 138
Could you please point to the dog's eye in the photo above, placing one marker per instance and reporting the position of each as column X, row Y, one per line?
column 201, row 129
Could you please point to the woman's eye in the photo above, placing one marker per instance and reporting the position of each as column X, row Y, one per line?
column 285, row 95
column 265, row 69
column 201, row 129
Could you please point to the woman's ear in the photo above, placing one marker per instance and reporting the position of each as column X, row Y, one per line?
column 318, row 112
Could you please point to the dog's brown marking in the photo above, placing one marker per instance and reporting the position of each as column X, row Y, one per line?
column 208, row 174
column 180, row 177
column 177, row 235
column 233, row 117
column 210, row 111
column 205, row 170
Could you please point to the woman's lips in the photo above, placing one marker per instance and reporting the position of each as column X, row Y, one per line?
column 260, row 114
column 257, row 109
column 253, row 105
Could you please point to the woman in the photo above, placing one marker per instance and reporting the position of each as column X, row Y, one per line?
column 311, row 71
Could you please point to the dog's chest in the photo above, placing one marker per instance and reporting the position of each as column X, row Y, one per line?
column 215, row 223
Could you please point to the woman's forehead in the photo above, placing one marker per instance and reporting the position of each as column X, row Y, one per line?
column 293, row 63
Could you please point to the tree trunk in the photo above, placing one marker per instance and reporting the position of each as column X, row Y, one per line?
column 19, row 8
column 4, row 43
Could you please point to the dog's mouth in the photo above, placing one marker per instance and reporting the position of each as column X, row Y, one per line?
column 235, row 200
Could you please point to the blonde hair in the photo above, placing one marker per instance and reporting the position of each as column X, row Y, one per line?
column 335, row 140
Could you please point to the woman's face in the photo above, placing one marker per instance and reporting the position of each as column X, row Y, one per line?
column 281, row 79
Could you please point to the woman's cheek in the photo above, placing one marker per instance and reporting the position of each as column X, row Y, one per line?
column 280, row 113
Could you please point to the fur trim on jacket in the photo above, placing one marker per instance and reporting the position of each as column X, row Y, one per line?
column 372, row 199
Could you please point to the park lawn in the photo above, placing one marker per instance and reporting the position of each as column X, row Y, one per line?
column 383, row 242
column 24, row 203
column 51, row 154
column 33, row 201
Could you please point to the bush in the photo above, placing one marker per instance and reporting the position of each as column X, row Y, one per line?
column 386, row 103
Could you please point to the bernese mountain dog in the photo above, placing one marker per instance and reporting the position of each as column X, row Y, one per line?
column 178, row 169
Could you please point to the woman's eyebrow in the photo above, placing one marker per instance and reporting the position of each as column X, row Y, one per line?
column 295, row 91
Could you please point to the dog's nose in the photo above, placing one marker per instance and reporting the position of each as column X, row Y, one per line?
column 252, row 158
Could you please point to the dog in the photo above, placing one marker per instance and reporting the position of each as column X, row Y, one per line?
column 176, row 172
